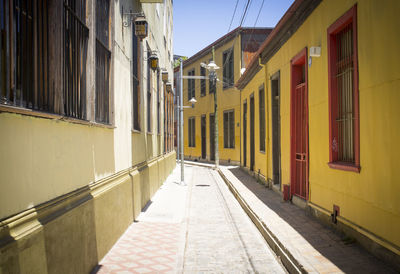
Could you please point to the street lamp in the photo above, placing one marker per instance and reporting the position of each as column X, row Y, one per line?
column 212, row 67
column 180, row 108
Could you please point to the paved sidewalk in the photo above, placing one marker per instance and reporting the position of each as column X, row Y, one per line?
column 309, row 245
column 221, row 238
column 155, row 242
column 192, row 229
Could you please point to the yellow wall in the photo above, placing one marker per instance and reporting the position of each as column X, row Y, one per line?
column 228, row 99
column 260, row 158
column 79, row 227
column 367, row 199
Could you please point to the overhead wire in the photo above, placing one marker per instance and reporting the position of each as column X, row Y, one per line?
column 233, row 16
column 255, row 23
column 246, row 8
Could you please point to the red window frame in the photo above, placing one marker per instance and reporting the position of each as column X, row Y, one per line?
column 349, row 17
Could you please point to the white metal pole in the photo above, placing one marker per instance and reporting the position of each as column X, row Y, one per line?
column 178, row 144
column 181, row 124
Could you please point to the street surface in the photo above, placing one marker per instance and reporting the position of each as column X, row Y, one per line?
column 195, row 228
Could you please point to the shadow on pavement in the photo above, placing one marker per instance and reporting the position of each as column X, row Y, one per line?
column 346, row 255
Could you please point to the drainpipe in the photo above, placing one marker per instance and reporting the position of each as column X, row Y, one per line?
column 267, row 116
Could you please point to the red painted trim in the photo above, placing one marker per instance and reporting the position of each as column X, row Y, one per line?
column 299, row 59
column 344, row 166
column 349, row 17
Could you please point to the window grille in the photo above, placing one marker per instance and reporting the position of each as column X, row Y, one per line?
column 158, row 104
column 229, row 129
column 227, row 60
column 343, row 93
column 191, row 85
column 76, row 36
column 24, row 57
column 135, row 80
column 202, row 82
column 149, row 90
column 192, row 132
column 103, row 56
column 344, row 82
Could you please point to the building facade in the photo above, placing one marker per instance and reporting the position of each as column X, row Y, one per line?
column 85, row 126
column 232, row 53
column 319, row 105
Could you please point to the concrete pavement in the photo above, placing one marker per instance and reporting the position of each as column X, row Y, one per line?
column 303, row 244
column 189, row 229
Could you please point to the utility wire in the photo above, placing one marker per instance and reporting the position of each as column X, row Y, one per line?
column 233, row 16
column 244, row 13
column 241, row 22
column 255, row 23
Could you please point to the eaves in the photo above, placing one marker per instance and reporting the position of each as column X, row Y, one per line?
column 286, row 27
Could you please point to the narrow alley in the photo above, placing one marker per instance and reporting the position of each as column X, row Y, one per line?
column 195, row 228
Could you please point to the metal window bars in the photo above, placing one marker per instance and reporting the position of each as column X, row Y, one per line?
column 103, row 57
column 345, row 93
column 76, row 35
column 24, row 58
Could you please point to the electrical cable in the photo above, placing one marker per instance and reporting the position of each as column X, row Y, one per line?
column 233, row 16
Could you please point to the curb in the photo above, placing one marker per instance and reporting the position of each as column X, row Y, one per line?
column 288, row 260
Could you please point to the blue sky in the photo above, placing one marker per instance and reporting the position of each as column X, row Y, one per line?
column 198, row 23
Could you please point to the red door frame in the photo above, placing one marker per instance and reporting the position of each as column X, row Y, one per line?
column 299, row 59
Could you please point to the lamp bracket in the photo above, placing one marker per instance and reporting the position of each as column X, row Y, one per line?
column 131, row 16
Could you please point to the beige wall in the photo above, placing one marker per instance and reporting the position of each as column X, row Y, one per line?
column 62, row 180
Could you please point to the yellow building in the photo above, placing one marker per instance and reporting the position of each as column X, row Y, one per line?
column 328, row 77
column 232, row 52
column 83, row 116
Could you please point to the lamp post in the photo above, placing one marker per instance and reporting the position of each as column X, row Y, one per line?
column 212, row 67
column 180, row 134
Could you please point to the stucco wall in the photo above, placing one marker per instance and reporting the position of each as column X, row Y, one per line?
column 260, row 157
column 228, row 99
column 367, row 199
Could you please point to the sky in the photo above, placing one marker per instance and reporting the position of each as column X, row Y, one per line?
column 198, row 23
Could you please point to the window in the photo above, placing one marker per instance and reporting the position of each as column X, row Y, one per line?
column 343, row 92
column 227, row 60
column 103, row 56
column 158, row 103
column 202, row 82
column 211, row 85
column 148, row 90
column 75, row 47
column 261, row 107
column 192, row 132
column 229, row 129
column 24, row 57
column 191, row 86
column 135, row 81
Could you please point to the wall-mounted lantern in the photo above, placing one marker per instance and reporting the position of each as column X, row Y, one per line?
column 139, row 22
column 169, row 87
column 141, row 27
column 164, row 75
column 153, row 61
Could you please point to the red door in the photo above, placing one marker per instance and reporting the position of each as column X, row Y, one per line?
column 299, row 127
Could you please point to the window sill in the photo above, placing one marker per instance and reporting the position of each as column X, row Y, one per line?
column 228, row 87
column 344, row 166
column 262, row 151
column 136, row 131
column 39, row 114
